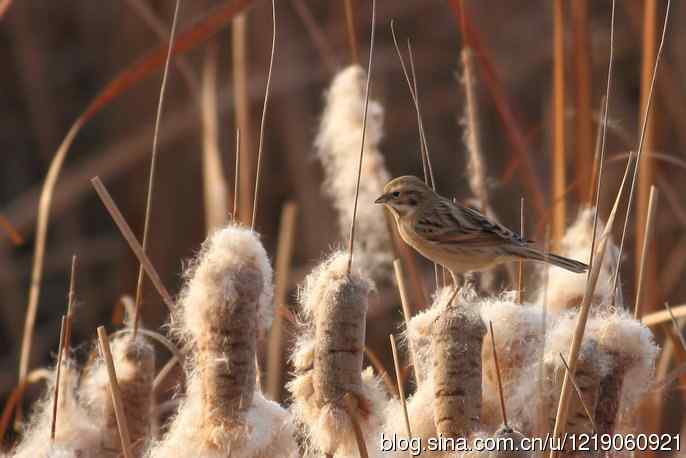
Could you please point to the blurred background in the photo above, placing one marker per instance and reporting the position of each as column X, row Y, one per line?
column 56, row 56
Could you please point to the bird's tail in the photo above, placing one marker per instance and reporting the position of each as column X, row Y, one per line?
column 559, row 261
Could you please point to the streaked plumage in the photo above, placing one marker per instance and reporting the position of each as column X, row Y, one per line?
column 459, row 238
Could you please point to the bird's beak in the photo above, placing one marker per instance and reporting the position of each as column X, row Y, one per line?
column 383, row 198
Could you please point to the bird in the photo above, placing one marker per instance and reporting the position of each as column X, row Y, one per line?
column 457, row 237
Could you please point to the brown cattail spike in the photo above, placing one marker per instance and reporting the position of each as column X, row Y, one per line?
column 456, row 341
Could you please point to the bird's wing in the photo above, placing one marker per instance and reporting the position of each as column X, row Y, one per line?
column 447, row 223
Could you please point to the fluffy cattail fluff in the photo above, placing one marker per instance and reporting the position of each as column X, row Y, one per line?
column 134, row 363
column 328, row 360
column 566, row 289
column 338, row 147
column 456, row 337
column 593, row 364
column 225, row 305
column 632, row 352
column 518, row 336
column 418, row 333
column 77, row 433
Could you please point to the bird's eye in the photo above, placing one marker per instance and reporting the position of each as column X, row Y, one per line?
column 396, row 194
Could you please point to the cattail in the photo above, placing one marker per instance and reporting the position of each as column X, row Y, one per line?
column 456, row 338
column 632, row 351
column 566, row 289
column 338, row 147
column 328, row 360
column 476, row 169
column 77, row 434
column 518, row 346
column 134, row 362
column 418, row 335
column 592, row 366
column 224, row 307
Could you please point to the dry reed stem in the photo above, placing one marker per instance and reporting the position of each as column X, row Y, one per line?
column 350, row 29
column 215, row 188
column 407, row 312
column 423, row 146
column 351, row 406
column 364, row 132
column 579, row 393
column 583, row 135
column 520, row 264
column 646, row 167
column 603, row 137
column 39, row 252
column 558, row 173
column 258, row 172
column 677, row 329
column 641, row 143
column 584, row 308
column 317, row 35
column 401, row 390
column 10, row 231
column 657, row 318
column 428, row 175
column 236, row 176
column 240, row 68
column 164, row 373
column 159, row 28
column 115, row 393
column 501, row 396
column 377, row 364
column 456, row 341
column 420, row 122
column 282, row 274
column 476, row 167
column 125, row 80
column 153, row 164
column 55, row 400
column 590, row 199
column 126, row 231
column 647, row 239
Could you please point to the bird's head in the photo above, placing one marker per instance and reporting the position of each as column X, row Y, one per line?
column 403, row 195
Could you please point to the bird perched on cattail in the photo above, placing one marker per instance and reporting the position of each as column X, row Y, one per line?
column 459, row 238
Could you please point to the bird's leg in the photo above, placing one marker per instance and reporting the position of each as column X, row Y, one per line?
column 456, row 285
column 470, row 280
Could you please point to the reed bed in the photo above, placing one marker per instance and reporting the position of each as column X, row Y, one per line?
column 456, row 381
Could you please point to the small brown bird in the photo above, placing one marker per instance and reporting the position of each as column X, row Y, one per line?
column 459, row 238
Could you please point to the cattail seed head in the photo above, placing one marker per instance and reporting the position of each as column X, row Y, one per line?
column 77, row 433
column 134, row 362
column 328, row 359
column 338, row 148
column 224, row 307
column 566, row 289
column 456, row 339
